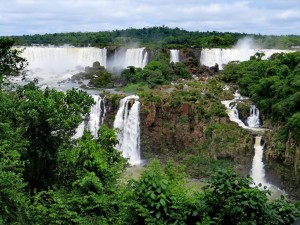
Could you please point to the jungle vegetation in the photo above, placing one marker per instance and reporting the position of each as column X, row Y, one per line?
column 47, row 177
column 153, row 37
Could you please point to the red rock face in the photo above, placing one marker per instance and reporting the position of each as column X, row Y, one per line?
column 185, row 108
column 168, row 131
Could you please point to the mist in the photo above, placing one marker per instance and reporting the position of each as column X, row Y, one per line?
column 246, row 43
column 131, row 55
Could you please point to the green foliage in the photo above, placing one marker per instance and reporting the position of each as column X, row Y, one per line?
column 114, row 99
column 93, row 156
column 294, row 125
column 13, row 199
column 157, row 72
column 48, row 120
column 10, row 61
column 87, row 192
column 232, row 200
column 157, row 37
column 151, row 96
column 97, row 75
column 136, row 88
column 102, row 79
column 78, row 181
column 161, row 196
column 285, row 212
column 273, row 85
column 153, row 36
column 181, row 70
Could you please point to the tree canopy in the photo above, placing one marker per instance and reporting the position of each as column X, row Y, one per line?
column 46, row 177
column 157, row 37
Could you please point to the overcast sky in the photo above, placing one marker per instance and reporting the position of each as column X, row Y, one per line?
column 18, row 17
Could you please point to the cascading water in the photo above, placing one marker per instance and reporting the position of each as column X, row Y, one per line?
column 174, row 55
column 127, row 121
column 232, row 110
column 258, row 167
column 211, row 57
column 96, row 115
column 94, row 119
column 257, row 171
column 137, row 57
column 50, row 64
column 233, row 113
column 253, row 119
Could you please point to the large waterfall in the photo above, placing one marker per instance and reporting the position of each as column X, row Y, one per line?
column 174, row 55
column 137, row 57
column 211, row 57
column 94, row 119
column 127, row 121
column 50, row 64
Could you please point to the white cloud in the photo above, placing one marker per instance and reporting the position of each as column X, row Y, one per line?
column 43, row 16
column 290, row 14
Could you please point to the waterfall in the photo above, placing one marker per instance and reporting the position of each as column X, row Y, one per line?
column 257, row 171
column 253, row 119
column 210, row 57
column 174, row 55
column 96, row 115
column 59, row 63
column 137, row 57
column 258, row 168
column 79, row 130
column 127, row 121
column 94, row 120
column 233, row 113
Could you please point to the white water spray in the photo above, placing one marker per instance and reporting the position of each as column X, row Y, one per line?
column 51, row 64
column 128, row 122
column 174, row 55
column 137, row 57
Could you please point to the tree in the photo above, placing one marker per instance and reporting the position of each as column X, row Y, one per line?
column 161, row 197
column 13, row 198
column 232, row 200
column 48, row 120
column 87, row 192
column 10, row 61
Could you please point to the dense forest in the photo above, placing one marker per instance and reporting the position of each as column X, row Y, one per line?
column 157, row 37
column 47, row 177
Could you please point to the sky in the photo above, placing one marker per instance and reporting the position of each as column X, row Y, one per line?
column 278, row 17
